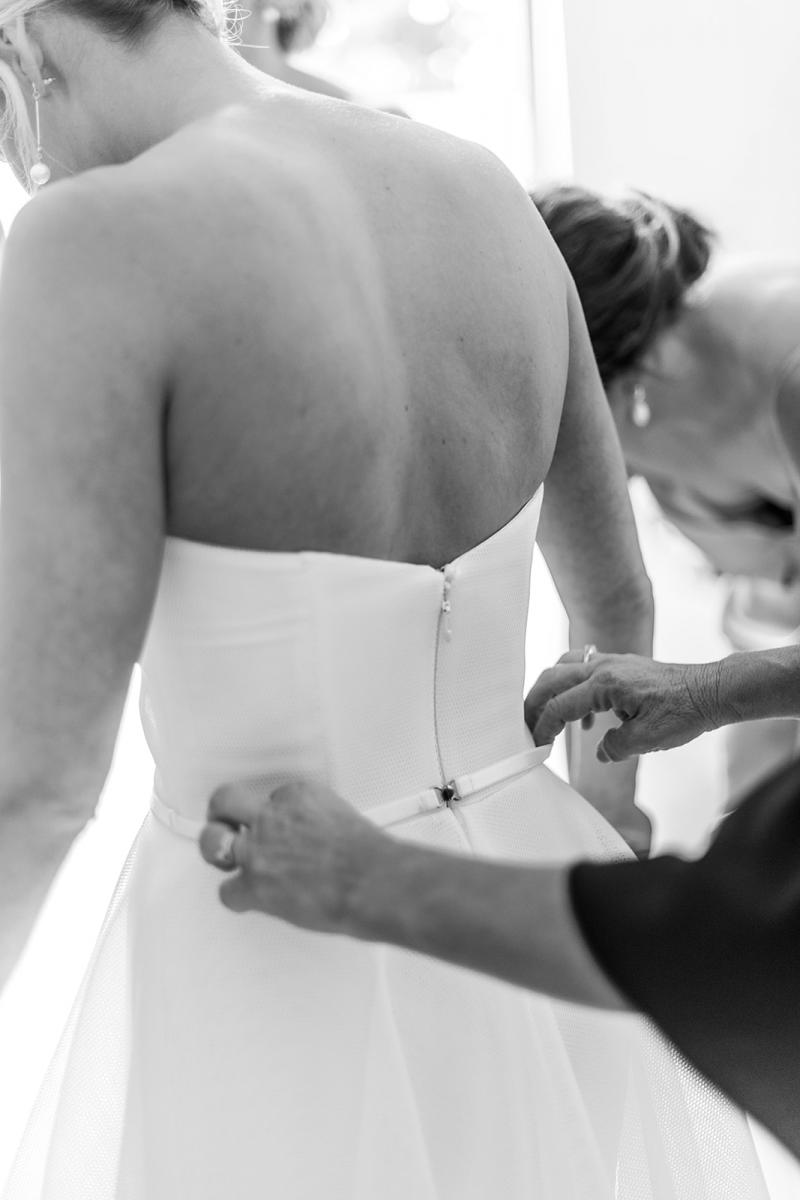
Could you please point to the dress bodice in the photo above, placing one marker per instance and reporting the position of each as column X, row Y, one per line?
column 379, row 678
column 216, row 1053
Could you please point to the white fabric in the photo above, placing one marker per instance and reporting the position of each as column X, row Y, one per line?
column 211, row 1055
column 464, row 788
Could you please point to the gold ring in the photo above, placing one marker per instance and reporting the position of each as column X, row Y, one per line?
column 589, row 651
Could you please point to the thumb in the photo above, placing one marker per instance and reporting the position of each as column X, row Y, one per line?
column 236, row 895
column 619, row 744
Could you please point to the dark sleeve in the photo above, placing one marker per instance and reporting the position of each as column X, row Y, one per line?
column 711, row 949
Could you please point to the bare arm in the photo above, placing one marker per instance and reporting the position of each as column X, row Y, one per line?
column 308, row 857
column 589, row 540
column 663, row 705
column 514, row 923
column 81, row 530
column 692, row 944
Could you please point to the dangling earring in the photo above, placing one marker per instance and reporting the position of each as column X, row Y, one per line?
column 641, row 413
column 40, row 172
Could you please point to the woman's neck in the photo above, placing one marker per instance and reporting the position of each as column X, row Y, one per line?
column 110, row 103
column 260, row 47
column 688, row 347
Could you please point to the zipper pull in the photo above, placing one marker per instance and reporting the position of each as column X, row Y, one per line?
column 447, row 604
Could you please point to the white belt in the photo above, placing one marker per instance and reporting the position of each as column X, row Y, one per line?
column 188, row 827
column 463, row 787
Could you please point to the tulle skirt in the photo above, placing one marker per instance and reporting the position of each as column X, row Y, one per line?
column 213, row 1055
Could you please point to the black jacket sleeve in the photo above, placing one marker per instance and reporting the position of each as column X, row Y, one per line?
column 711, row 949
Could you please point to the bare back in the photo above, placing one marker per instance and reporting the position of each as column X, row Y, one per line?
column 290, row 325
column 372, row 333
column 294, row 325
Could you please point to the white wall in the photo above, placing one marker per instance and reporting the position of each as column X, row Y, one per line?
column 696, row 100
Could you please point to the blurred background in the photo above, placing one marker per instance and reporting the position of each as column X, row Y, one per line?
column 694, row 101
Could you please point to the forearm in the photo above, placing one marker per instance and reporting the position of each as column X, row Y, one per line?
column 513, row 923
column 610, row 788
column 34, row 840
column 622, row 624
column 755, row 685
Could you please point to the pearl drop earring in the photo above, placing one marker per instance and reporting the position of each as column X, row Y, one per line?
column 641, row 413
column 40, row 172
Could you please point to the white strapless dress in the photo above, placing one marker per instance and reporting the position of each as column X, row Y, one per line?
column 213, row 1056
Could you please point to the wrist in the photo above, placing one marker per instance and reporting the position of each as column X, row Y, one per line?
column 733, row 689
column 709, row 688
column 411, row 896
column 376, row 896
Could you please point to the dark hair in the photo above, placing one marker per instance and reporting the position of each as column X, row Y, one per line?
column 129, row 20
column 632, row 259
column 298, row 22
column 286, row 30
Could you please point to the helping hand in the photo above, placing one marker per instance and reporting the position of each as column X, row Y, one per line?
column 660, row 705
column 299, row 852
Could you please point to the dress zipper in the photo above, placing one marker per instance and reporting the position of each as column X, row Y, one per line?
column 444, row 630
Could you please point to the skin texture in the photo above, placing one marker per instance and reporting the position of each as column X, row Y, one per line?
column 247, row 379
column 662, row 705
column 689, row 943
column 303, row 854
column 658, row 705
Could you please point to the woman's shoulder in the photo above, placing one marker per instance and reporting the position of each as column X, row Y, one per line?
column 107, row 217
column 749, row 310
column 78, row 233
column 753, row 286
column 169, row 215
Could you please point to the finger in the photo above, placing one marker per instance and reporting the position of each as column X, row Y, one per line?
column 587, row 722
column 576, row 704
column 551, row 683
column 239, row 803
column 291, row 807
column 307, row 798
column 623, row 742
column 236, row 895
column 573, row 656
column 223, row 847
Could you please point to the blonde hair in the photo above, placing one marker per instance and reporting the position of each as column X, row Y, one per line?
column 124, row 19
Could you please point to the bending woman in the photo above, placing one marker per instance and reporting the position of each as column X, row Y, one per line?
column 701, row 366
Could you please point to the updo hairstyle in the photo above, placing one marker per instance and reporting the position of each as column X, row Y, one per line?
column 633, row 260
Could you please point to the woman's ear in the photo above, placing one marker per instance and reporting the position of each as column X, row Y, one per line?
column 21, row 51
column 8, row 54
